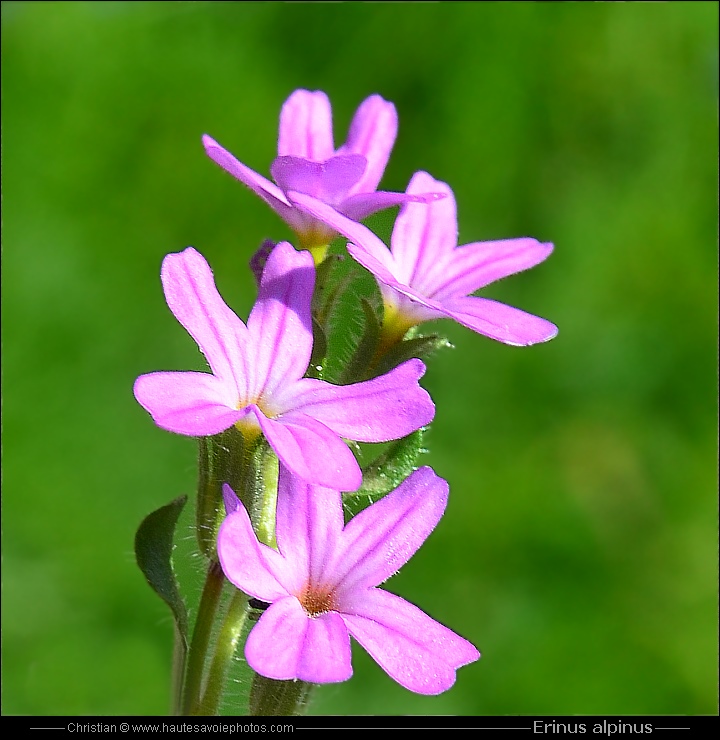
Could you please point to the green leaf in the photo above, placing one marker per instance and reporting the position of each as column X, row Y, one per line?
column 324, row 295
column 323, row 314
column 357, row 367
column 421, row 347
column 386, row 472
column 153, row 551
column 319, row 351
column 322, row 276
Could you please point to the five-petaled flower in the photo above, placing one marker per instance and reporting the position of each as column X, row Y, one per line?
column 321, row 585
column 307, row 162
column 257, row 374
column 427, row 276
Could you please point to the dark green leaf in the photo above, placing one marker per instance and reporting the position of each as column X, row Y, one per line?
column 421, row 347
column 319, row 350
column 357, row 366
column 386, row 472
column 153, row 551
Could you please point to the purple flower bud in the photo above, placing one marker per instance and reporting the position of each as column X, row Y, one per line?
column 258, row 260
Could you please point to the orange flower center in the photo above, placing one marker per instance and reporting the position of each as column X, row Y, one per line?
column 316, row 602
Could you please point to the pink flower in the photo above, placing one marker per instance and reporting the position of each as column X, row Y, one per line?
column 425, row 275
column 321, row 585
column 257, row 379
column 308, row 162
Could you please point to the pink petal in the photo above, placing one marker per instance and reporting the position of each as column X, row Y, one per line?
column 378, row 410
column 423, row 233
column 378, row 253
column 261, row 186
column 280, row 325
column 312, row 451
column 362, row 205
column 308, row 524
column 275, row 644
column 195, row 302
column 244, row 559
column 379, row 540
column 372, row 134
column 328, row 181
column 306, row 126
column 499, row 321
column 287, row 644
column 374, row 262
column 473, row 266
column 325, row 655
column 407, row 303
column 194, row 404
column 491, row 318
column 412, row 648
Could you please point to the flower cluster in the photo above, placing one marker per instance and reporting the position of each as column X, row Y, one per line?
column 283, row 540
column 307, row 162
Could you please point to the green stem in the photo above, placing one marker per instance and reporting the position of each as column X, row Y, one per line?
column 238, row 461
column 178, row 671
column 205, row 510
column 227, row 641
column 267, row 696
column 221, row 459
column 201, row 636
column 270, row 698
column 238, row 457
column 263, row 513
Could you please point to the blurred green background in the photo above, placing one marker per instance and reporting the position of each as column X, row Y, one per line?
column 579, row 547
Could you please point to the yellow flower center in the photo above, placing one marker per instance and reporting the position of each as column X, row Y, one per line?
column 249, row 428
column 316, row 241
column 395, row 324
